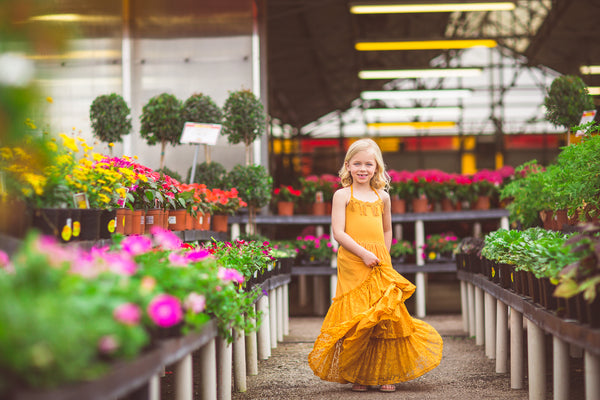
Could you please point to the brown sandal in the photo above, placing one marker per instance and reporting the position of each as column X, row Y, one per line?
column 387, row 388
column 358, row 388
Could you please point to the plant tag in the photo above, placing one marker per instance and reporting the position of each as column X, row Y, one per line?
column 80, row 200
column 172, row 219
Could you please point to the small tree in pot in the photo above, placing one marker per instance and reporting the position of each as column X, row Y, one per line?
column 254, row 186
column 161, row 122
column 201, row 108
column 110, row 118
column 567, row 98
column 244, row 119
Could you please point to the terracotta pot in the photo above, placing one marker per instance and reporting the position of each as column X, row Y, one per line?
column 319, row 208
column 420, row 205
column 285, row 208
column 561, row 219
column 398, row 206
column 108, row 223
column 447, row 205
column 138, row 224
column 189, row 221
column 206, row 221
column 124, row 221
column 219, row 223
column 177, row 219
column 154, row 218
column 481, row 203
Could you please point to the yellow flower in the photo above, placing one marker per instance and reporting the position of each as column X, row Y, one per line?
column 30, row 123
column 122, row 192
column 52, row 146
column 97, row 156
column 6, row 153
column 104, row 198
column 111, row 144
column 36, row 181
column 49, row 99
column 69, row 143
column 431, row 256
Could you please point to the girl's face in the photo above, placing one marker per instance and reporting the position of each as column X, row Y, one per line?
column 362, row 166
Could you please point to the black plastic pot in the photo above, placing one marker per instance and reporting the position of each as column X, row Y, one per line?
column 56, row 222
column 108, row 224
column 90, row 224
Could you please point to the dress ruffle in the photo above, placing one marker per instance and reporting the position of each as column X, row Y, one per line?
column 368, row 336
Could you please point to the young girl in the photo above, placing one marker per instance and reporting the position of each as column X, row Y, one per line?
column 368, row 338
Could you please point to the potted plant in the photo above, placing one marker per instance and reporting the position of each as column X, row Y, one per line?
column 110, row 118
column 314, row 250
column 399, row 190
column 400, row 249
column 566, row 101
column 245, row 119
column 161, row 122
column 440, row 246
column 285, row 198
column 212, row 174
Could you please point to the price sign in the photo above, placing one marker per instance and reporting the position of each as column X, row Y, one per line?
column 198, row 133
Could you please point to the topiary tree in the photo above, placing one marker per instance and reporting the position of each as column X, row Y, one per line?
column 201, row 108
column 254, row 185
column 161, row 122
column 566, row 100
column 110, row 118
column 245, row 119
column 212, row 174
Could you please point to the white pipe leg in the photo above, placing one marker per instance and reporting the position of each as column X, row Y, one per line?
column 592, row 373
column 208, row 371
column 252, row 351
column 286, row 310
column 239, row 361
column 471, row 307
column 479, row 317
column 154, row 388
column 501, row 337
column 273, row 317
column 536, row 361
column 516, row 349
column 464, row 308
column 183, row 379
column 264, row 330
column 560, row 369
column 279, row 313
column 302, row 290
column 224, row 353
column 490, row 325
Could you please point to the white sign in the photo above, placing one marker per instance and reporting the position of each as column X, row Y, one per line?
column 587, row 116
column 197, row 133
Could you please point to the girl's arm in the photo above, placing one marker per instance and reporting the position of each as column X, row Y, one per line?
column 387, row 219
column 338, row 225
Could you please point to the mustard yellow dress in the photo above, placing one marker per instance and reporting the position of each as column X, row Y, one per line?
column 367, row 336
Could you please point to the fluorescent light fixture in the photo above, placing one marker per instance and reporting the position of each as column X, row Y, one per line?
column 429, row 8
column 79, row 54
column 416, row 94
column 420, row 73
column 594, row 90
column 395, row 114
column 413, row 125
column 590, row 69
column 76, row 18
column 425, row 45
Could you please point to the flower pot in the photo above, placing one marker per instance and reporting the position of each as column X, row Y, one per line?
column 505, row 272
column 90, row 224
column 285, row 208
column 189, row 221
column 420, row 205
column 494, row 272
column 108, row 223
column 124, row 221
column 398, row 206
column 571, row 308
column 481, row 203
column 57, row 222
column 447, row 205
column 198, row 222
column 548, row 300
column 547, row 219
column 177, row 219
column 138, row 224
column 154, row 218
column 593, row 313
column 582, row 315
column 15, row 218
column 319, row 208
column 561, row 219
column 534, row 287
column 206, row 221
column 219, row 223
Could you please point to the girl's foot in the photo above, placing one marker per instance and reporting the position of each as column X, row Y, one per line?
column 358, row 388
column 387, row 388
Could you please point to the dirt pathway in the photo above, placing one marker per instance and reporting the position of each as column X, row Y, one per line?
column 465, row 372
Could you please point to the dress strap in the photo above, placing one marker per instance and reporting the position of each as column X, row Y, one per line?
column 379, row 198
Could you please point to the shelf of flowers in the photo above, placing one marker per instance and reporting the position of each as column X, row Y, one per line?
column 134, row 293
column 558, row 271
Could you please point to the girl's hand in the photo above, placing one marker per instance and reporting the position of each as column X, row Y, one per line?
column 370, row 259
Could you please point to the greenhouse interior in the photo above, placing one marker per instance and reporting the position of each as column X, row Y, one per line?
column 185, row 212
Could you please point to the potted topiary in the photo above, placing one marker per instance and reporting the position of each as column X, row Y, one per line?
column 254, row 186
column 244, row 119
column 161, row 122
column 110, row 118
column 567, row 98
column 212, row 174
column 201, row 108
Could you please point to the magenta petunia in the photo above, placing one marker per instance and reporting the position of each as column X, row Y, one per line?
column 108, row 344
column 121, row 264
column 165, row 310
column 230, row 275
column 136, row 244
column 166, row 239
column 128, row 314
column 178, row 260
column 195, row 302
column 197, row 255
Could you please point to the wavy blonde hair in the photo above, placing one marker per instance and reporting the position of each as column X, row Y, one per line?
column 381, row 179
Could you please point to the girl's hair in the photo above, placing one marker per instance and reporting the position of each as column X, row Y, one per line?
column 381, row 179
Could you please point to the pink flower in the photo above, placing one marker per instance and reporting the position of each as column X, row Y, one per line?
column 147, row 284
column 5, row 262
column 166, row 239
column 108, row 344
column 121, row 264
column 136, row 244
column 128, row 314
column 230, row 275
column 197, row 255
column 165, row 310
column 195, row 302
column 178, row 260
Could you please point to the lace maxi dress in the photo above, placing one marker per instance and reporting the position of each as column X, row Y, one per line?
column 367, row 336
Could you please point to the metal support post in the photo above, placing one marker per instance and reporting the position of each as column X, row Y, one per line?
column 501, row 337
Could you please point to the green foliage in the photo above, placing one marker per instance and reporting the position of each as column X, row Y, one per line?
column 169, row 172
column 441, row 243
column 161, row 120
column 201, row 108
column 244, row 117
column 253, row 183
column 401, row 248
column 525, row 193
column 313, row 248
column 211, row 174
column 110, row 119
column 567, row 98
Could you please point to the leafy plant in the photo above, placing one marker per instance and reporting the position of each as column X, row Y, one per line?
column 254, row 187
column 566, row 100
column 287, row 193
column 161, row 122
column 212, row 174
column 201, row 108
column 441, row 243
column 245, row 119
column 110, row 118
column 313, row 248
column 401, row 248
